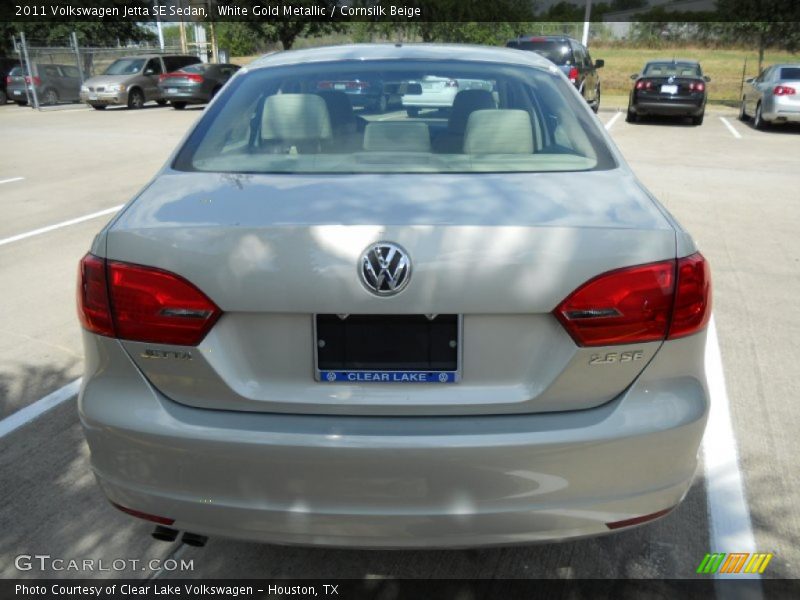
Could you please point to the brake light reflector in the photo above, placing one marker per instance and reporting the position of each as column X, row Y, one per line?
column 142, row 304
column 692, row 297
column 573, row 74
column 783, row 90
column 143, row 515
column 94, row 310
column 621, row 307
column 194, row 77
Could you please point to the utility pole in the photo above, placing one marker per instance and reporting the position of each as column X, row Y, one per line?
column 587, row 15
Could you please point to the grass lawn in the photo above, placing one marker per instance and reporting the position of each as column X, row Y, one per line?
column 723, row 66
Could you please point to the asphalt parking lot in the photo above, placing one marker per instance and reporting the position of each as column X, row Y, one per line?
column 64, row 172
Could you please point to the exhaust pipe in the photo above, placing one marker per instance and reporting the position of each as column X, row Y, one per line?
column 165, row 534
column 194, row 539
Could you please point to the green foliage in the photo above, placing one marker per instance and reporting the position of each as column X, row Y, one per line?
column 89, row 33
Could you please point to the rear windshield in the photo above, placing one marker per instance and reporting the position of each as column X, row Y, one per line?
column 198, row 68
column 396, row 117
column 790, row 73
column 555, row 51
column 125, row 66
column 17, row 72
column 667, row 69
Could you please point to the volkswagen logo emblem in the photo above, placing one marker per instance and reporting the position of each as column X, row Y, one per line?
column 385, row 268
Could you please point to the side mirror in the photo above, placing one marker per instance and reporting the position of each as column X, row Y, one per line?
column 149, row 71
column 707, row 78
column 599, row 63
column 635, row 76
column 750, row 80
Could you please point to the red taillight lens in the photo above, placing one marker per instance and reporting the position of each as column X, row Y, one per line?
column 36, row 80
column 142, row 304
column 697, row 86
column 573, row 74
column 783, row 90
column 194, row 77
column 692, row 297
column 94, row 310
column 8, row 79
column 646, row 303
column 621, row 307
column 143, row 515
column 163, row 76
column 644, row 84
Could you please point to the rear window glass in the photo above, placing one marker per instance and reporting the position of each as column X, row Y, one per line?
column 557, row 52
column 125, row 66
column 198, row 68
column 16, row 72
column 396, row 117
column 790, row 72
column 667, row 69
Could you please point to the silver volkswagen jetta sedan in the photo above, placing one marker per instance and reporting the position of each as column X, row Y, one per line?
column 325, row 327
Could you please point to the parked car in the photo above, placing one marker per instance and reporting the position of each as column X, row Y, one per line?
column 53, row 83
column 773, row 97
column 362, row 93
column 440, row 92
column 674, row 88
column 6, row 64
column 194, row 84
column 292, row 340
column 571, row 57
column 132, row 81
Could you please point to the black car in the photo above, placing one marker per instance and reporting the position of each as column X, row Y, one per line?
column 194, row 84
column 571, row 57
column 371, row 95
column 669, row 88
column 6, row 64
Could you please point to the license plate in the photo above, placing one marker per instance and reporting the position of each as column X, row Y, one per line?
column 669, row 89
column 17, row 93
column 395, row 349
column 339, row 86
column 172, row 90
column 92, row 96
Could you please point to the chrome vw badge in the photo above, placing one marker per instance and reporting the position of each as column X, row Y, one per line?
column 385, row 268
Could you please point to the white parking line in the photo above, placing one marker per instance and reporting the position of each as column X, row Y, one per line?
column 38, row 408
column 613, row 120
column 730, row 127
column 11, row 180
column 728, row 514
column 22, row 236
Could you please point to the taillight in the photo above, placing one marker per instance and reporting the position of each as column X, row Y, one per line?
column 640, row 304
column 644, row 84
column 194, row 77
column 573, row 74
column 36, row 80
column 692, row 297
column 94, row 310
column 8, row 79
column 162, row 77
column 143, row 304
column 783, row 90
column 697, row 86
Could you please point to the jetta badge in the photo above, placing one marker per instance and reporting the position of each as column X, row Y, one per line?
column 385, row 268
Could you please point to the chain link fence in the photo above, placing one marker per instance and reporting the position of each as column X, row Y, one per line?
column 53, row 75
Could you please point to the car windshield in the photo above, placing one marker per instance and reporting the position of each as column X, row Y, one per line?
column 667, row 69
column 438, row 117
column 17, row 72
column 125, row 66
column 555, row 51
column 790, row 73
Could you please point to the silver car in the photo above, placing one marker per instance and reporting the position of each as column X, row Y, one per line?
column 315, row 327
column 773, row 97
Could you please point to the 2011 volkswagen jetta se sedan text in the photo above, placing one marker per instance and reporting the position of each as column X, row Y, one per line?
column 326, row 326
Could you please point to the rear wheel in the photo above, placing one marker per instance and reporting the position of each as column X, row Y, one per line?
column 758, row 119
column 412, row 111
column 698, row 120
column 135, row 99
column 3, row 97
column 179, row 105
column 743, row 111
column 21, row 102
column 161, row 102
column 98, row 106
column 50, row 96
column 631, row 116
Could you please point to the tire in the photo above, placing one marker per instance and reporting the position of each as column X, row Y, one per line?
column 179, row 105
column 50, row 97
column 135, row 99
column 596, row 105
column 698, row 120
column 161, row 102
column 3, row 97
column 412, row 111
column 21, row 102
column 631, row 117
column 743, row 111
column 758, row 119
column 98, row 106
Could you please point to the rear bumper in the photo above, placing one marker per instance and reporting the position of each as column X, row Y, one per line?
column 192, row 95
column 395, row 481
column 668, row 108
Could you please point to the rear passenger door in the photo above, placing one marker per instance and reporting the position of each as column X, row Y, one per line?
column 152, row 70
column 71, row 82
